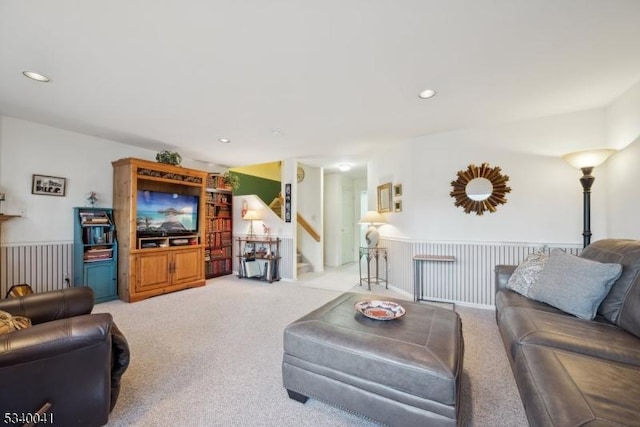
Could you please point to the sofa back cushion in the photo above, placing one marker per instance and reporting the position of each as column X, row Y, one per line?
column 622, row 304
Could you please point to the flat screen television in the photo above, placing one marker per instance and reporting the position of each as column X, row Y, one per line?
column 166, row 213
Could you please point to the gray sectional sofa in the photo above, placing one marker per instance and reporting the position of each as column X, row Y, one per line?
column 573, row 371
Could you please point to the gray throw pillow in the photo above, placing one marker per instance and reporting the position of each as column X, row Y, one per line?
column 526, row 273
column 574, row 285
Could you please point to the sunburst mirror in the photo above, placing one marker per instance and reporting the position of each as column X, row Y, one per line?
column 480, row 188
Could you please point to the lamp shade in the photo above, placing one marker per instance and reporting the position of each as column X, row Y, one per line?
column 588, row 158
column 373, row 218
column 251, row 215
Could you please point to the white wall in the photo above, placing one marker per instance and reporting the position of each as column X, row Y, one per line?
column 544, row 206
column 545, row 202
column 623, row 118
column 28, row 148
column 623, row 130
column 309, row 205
column 359, row 185
column 332, row 220
column 624, row 196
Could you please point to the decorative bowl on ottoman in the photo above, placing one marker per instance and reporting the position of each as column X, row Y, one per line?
column 380, row 310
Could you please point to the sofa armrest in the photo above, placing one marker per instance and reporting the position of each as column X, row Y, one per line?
column 47, row 306
column 65, row 363
column 120, row 357
column 54, row 338
column 503, row 273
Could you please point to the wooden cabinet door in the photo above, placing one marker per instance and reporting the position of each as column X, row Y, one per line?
column 188, row 265
column 152, row 270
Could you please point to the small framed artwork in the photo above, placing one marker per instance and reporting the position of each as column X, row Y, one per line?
column 397, row 206
column 287, row 203
column 384, row 197
column 397, row 190
column 48, row 185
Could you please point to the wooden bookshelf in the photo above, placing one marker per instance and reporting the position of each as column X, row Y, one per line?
column 218, row 228
column 95, row 252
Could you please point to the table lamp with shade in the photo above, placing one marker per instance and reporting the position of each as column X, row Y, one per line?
column 374, row 219
column 251, row 215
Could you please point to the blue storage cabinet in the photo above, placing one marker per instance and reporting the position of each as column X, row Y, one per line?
column 95, row 252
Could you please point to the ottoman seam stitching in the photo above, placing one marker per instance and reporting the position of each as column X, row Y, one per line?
column 372, row 357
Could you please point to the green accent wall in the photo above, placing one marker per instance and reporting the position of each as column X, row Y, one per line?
column 266, row 189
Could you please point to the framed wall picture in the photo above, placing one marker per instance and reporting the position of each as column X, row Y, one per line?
column 287, row 203
column 397, row 190
column 397, row 205
column 48, row 185
column 384, row 197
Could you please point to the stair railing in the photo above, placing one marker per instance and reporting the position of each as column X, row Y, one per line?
column 308, row 228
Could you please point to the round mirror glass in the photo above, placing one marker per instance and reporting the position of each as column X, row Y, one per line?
column 479, row 189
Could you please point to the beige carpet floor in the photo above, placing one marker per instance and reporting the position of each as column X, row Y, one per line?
column 211, row 356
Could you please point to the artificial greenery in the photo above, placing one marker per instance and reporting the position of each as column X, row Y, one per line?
column 231, row 179
column 169, row 157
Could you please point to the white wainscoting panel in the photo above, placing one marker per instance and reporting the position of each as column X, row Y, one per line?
column 469, row 278
column 42, row 266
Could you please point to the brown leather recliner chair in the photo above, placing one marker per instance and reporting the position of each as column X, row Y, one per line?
column 69, row 362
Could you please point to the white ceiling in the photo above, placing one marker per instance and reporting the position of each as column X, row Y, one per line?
column 336, row 78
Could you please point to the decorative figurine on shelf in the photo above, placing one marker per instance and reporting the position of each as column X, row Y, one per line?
column 92, row 199
column 267, row 231
column 169, row 157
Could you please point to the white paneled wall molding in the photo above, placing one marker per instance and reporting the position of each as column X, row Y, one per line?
column 468, row 279
column 43, row 266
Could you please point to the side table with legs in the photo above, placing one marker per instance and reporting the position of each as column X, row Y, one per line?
column 374, row 254
column 419, row 275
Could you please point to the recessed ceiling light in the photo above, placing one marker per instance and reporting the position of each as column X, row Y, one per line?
column 224, row 140
column 344, row 167
column 427, row 93
column 36, row 76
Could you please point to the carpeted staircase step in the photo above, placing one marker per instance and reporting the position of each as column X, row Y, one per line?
column 303, row 267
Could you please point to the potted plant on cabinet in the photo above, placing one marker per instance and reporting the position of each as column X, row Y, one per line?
column 169, row 157
column 231, row 180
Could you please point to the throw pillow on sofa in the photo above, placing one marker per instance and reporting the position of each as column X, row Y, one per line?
column 574, row 285
column 9, row 323
column 526, row 273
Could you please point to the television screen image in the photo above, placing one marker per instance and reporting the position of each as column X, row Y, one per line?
column 166, row 212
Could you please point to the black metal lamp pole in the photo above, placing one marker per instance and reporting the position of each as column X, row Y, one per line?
column 587, row 181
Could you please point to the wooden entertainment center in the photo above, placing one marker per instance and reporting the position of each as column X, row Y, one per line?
column 151, row 264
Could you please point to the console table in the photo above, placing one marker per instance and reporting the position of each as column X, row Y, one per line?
column 374, row 254
column 417, row 271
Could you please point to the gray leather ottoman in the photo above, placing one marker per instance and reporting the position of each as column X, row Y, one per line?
column 402, row 372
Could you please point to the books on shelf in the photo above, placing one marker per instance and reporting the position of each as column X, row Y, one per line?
column 262, row 269
column 94, row 218
column 217, row 267
column 98, row 253
column 93, row 236
column 215, row 181
column 220, row 224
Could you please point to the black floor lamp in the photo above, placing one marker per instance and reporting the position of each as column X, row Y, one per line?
column 586, row 161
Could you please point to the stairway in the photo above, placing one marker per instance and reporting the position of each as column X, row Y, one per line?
column 302, row 265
